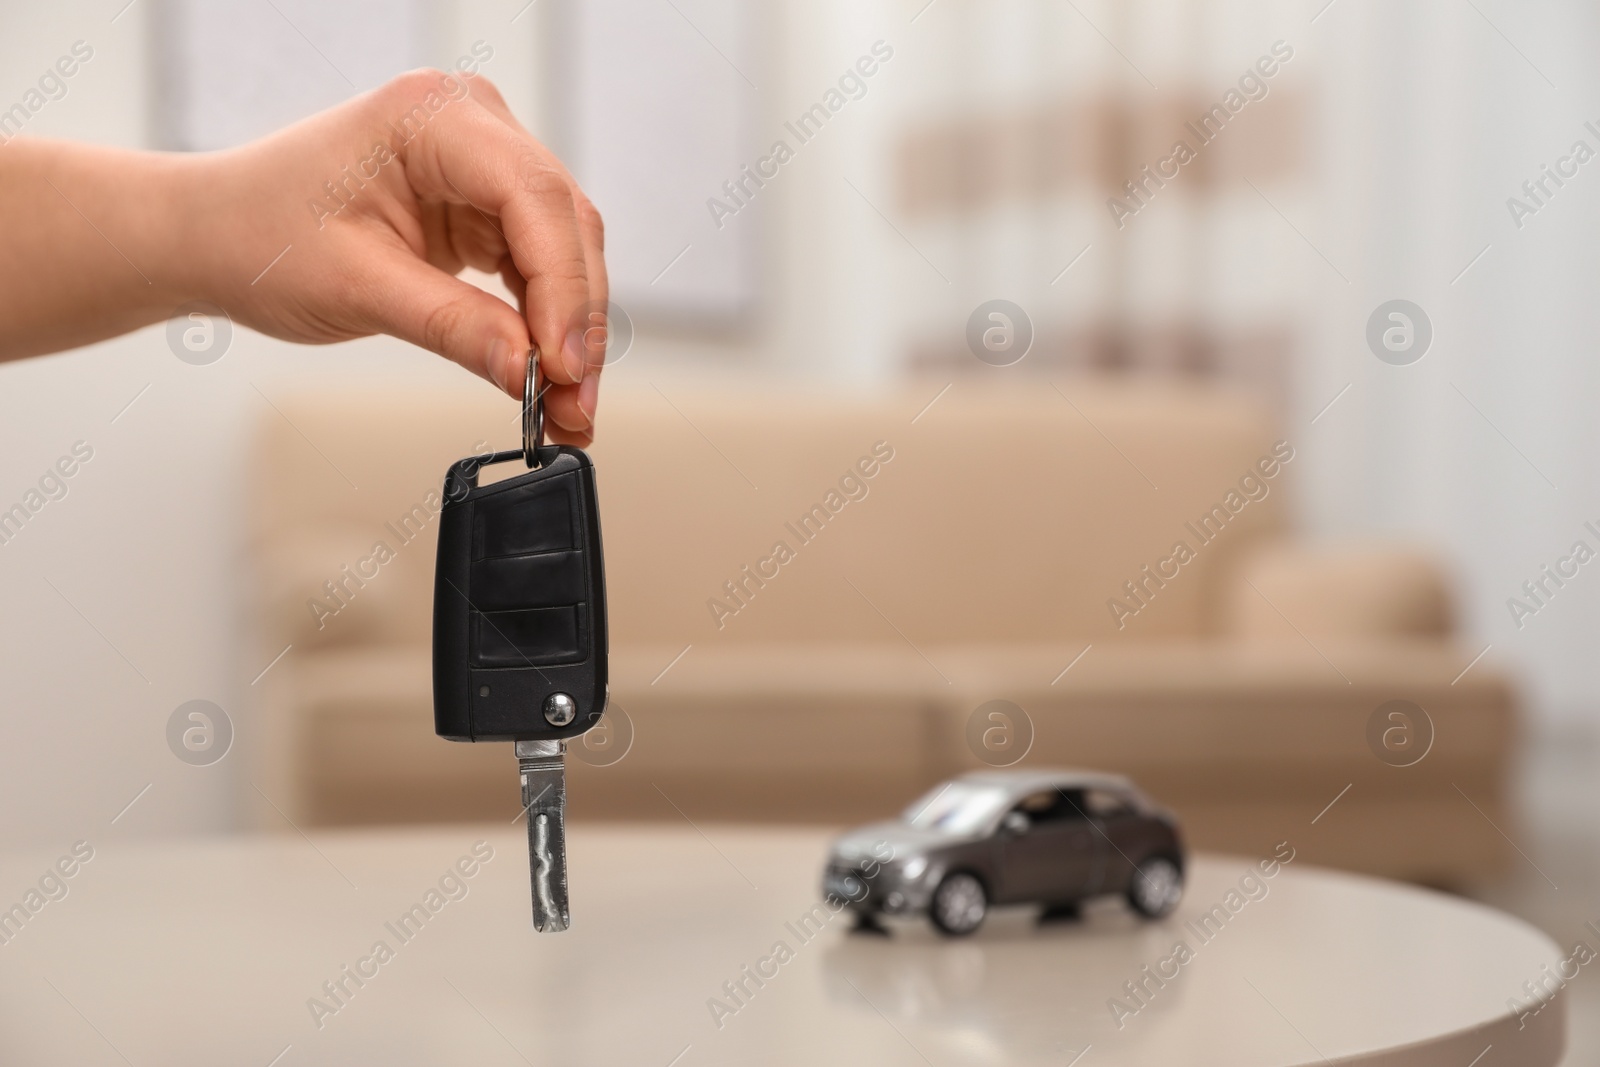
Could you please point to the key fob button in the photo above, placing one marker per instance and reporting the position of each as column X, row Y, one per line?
column 559, row 709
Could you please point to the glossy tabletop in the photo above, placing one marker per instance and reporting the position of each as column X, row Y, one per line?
column 710, row 946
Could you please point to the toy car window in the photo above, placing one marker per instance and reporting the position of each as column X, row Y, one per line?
column 1102, row 803
column 1052, row 805
column 1038, row 805
column 956, row 808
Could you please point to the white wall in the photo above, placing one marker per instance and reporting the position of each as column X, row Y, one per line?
column 1433, row 119
column 81, row 732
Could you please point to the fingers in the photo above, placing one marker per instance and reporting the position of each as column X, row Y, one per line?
column 591, row 229
column 561, row 408
column 473, row 240
column 515, row 208
column 408, row 298
column 592, row 232
column 514, row 282
column 568, row 437
column 484, row 92
column 569, row 407
column 468, row 155
column 596, row 340
column 415, row 302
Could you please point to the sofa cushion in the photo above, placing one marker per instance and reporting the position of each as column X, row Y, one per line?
column 1230, row 718
column 823, row 732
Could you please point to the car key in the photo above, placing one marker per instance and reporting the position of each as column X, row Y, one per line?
column 519, row 626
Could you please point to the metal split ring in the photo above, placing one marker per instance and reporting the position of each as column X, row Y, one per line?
column 532, row 411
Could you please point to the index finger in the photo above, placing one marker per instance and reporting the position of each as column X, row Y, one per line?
column 466, row 154
column 591, row 229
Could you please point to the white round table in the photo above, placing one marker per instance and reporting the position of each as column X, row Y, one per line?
column 220, row 951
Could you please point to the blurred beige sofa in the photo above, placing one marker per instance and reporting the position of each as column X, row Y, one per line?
column 1017, row 545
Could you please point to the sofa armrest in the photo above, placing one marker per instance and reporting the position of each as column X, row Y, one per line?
column 1285, row 592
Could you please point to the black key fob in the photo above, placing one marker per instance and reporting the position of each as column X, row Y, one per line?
column 519, row 627
column 519, row 598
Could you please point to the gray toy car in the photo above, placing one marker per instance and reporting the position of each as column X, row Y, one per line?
column 1054, row 838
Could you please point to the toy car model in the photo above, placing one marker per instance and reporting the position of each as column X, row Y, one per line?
column 1011, row 837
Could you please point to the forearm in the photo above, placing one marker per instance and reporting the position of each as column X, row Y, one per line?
column 91, row 242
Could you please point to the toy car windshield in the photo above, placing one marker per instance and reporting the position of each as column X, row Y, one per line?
column 956, row 808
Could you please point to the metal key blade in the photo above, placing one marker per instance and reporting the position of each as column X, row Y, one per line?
column 544, row 800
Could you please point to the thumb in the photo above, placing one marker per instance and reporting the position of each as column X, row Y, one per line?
column 408, row 299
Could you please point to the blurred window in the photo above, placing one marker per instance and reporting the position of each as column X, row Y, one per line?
column 229, row 71
column 657, row 109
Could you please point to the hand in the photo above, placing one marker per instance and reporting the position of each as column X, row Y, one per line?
column 350, row 223
column 381, row 201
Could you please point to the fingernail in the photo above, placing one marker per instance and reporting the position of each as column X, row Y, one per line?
column 499, row 349
column 572, row 355
column 589, row 396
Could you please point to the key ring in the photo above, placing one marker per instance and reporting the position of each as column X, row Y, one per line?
column 532, row 411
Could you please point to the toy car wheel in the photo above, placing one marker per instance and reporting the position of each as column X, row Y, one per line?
column 1156, row 888
column 959, row 904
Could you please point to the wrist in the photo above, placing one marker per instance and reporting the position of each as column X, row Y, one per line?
column 177, row 227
